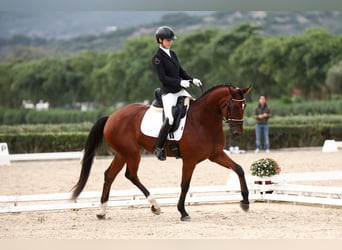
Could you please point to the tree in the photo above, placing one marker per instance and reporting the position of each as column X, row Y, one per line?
column 320, row 50
column 132, row 70
column 334, row 78
column 54, row 85
column 27, row 82
column 6, row 78
column 247, row 59
column 27, row 53
column 78, row 71
column 273, row 64
column 195, row 54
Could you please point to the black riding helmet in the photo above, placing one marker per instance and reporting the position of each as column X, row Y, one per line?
column 165, row 32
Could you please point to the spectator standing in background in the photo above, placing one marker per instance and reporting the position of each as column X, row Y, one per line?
column 262, row 113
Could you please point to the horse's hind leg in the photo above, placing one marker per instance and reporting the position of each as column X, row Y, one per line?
column 187, row 171
column 109, row 176
column 132, row 175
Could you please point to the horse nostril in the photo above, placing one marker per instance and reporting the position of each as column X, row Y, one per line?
column 234, row 131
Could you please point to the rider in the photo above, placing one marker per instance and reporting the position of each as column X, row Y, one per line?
column 173, row 79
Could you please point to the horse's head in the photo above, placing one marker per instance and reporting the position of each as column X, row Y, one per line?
column 234, row 109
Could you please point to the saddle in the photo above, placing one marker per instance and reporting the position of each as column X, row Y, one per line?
column 178, row 110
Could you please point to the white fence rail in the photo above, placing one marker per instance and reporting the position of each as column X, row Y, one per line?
column 130, row 197
column 284, row 188
column 281, row 190
column 46, row 156
column 6, row 158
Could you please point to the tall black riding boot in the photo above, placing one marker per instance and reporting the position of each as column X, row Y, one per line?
column 160, row 147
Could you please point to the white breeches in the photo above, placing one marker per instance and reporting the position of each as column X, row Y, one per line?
column 170, row 100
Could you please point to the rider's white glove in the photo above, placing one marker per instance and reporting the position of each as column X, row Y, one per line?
column 197, row 82
column 185, row 83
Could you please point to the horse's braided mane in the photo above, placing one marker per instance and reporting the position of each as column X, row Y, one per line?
column 213, row 88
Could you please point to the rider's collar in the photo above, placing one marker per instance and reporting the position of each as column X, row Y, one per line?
column 167, row 51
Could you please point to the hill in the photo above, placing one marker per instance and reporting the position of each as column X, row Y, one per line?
column 62, row 33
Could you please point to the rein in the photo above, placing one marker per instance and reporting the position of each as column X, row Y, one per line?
column 201, row 88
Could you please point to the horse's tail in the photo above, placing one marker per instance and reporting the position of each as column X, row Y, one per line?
column 94, row 141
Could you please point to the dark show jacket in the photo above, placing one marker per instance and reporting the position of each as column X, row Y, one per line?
column 262, row 110
column 169, row 71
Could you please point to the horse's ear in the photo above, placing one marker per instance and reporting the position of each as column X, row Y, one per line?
column 247, row 89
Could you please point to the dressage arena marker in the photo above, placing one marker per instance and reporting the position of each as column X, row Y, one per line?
column 4, row 155
column 330, row 146
column 282, row 190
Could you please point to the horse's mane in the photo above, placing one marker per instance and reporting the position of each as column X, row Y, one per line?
column 213, row 88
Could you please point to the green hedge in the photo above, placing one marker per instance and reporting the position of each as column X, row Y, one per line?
column 280, row 137
column 46, row 128
column 44, row 142
column 303, row 108
column 48, row 142
column 51, row 116
column 288, row 136
column 276, row 121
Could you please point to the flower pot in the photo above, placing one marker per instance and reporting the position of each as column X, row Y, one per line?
column 267, row 182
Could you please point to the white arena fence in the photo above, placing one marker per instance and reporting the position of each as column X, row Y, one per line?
column 46, row 156
column 6, row 158
column 282, row 189
column 285, row 188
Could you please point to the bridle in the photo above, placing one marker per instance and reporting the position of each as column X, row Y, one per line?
column 226, row 118
column 228, row 104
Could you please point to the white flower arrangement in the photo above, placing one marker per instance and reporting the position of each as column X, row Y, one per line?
column 265, row 167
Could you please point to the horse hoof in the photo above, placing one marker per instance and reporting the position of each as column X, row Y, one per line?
column 101, row 216
column 186, row 218
column 156, row 211
column 244, row 206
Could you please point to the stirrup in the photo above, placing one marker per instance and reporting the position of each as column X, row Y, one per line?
column 160, row 153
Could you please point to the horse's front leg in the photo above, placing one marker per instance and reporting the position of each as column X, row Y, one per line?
column 185, row 185
column 244, row 204
column 224, row 160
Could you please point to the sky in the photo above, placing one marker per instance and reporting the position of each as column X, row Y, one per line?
column 41, row 5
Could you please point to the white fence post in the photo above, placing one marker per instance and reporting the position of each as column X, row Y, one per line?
column 4, row 155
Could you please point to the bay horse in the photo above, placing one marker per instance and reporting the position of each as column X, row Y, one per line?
column 203, row 138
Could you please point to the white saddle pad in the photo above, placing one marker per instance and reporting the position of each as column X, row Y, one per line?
column 153, row 120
